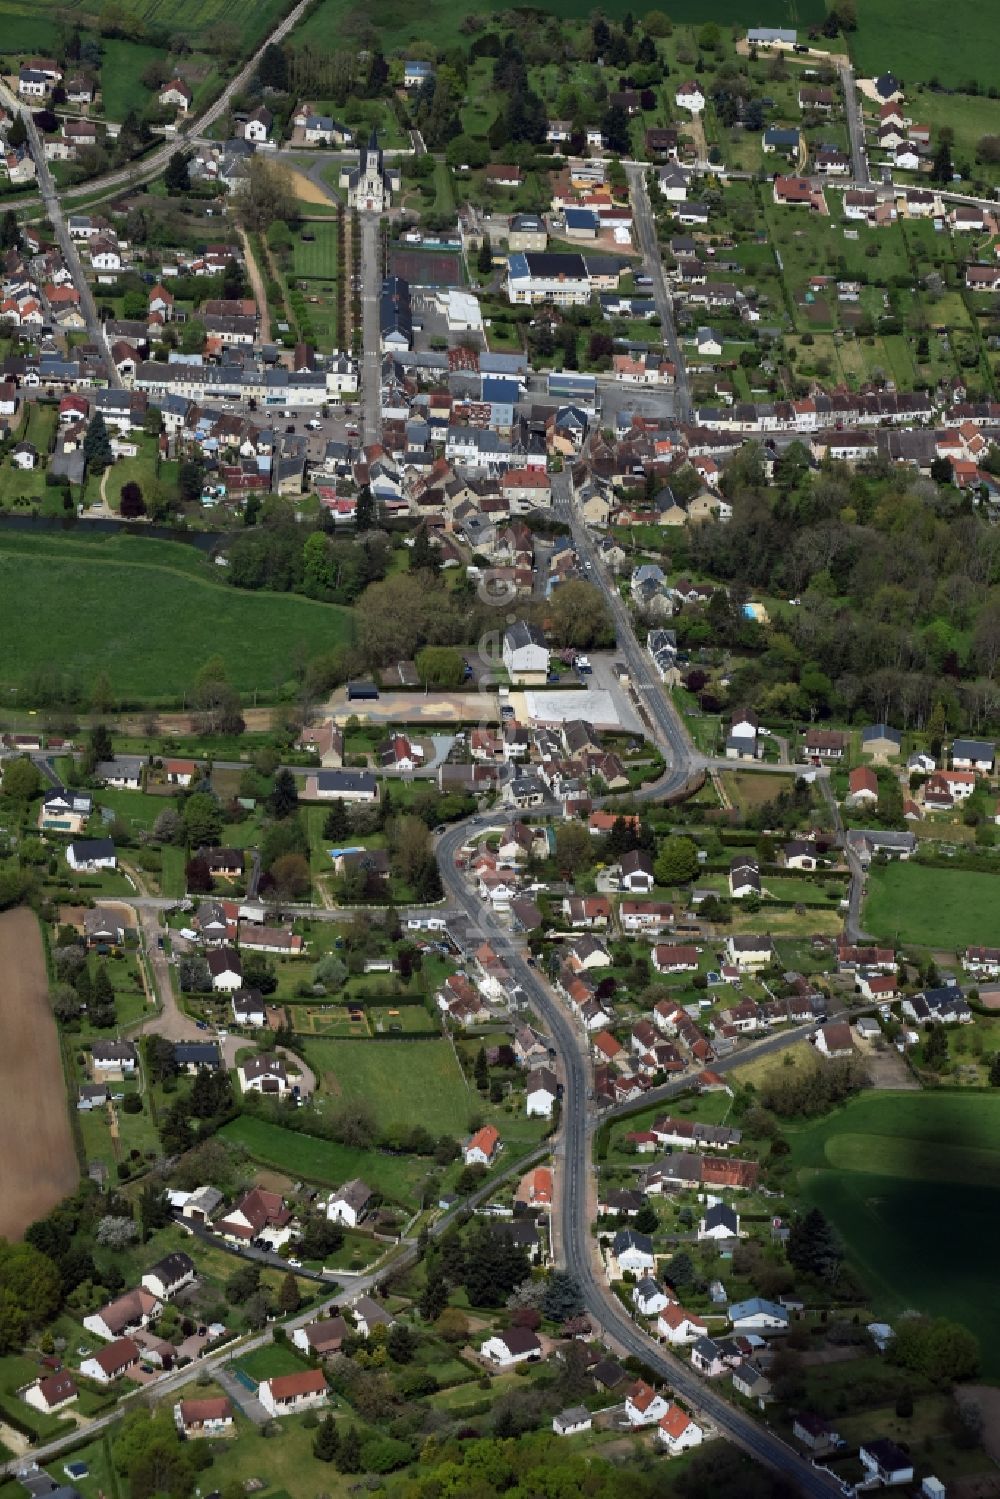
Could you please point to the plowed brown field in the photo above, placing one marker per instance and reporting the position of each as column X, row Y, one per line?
column 40, row 1164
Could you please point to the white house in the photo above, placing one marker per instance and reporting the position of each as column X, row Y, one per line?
column 211, row 1417
column 177, row 94
column 126, row 1314
column 634, row 1251
column 649, row 1297
column 288, row 1394
column 50, row 1394
column 541, row 1093
column 689, row 96
column 719, row 1222
column 264, row 1074
column 482, row 1148
column 677, row 1431
column 169, row 1275
column 570, row 1422
column 226, row 968
column 110, row 1363
column 886, row 1463
column 518, row 1345
column 249, row 1008
column 349, row 1203
column 677, row 1327
column 525, row 654
column 758, row 1315
column 644, row 1406
column 90, row 855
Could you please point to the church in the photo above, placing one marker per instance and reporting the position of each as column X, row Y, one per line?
column 371, row 184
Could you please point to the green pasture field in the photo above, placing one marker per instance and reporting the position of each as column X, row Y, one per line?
column 403, row 1082
column 912, row 1180
column 943, row 908
column 326, row 1163
column 24, row 24
column 921, row 41
column 149, row 613
column 438, row 22
column 122, row 66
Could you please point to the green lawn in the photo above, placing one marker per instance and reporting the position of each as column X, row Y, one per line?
column 270, row 1361
column 912, row 1183
column 325, row 1163
column 920, row 40
column 402, row 1081
column 314, row 253
column 148, row 613
column 945, row 908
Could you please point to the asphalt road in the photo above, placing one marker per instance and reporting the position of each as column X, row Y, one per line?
column 855, row 127
column 645, row 226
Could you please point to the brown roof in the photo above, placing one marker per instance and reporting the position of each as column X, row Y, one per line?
column 290, row 1386
column 57, row 1388
column 196, row 1412
column 118, row 1356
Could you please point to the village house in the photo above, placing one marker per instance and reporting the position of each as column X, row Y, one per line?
column 169, row 1275
column 517, row 1345
column 644, row 1406
column 482, row 1148
column 210, row 1417
column 322, row 1338
column 288, row 1394
column 349, row 1203
column 112, row 1362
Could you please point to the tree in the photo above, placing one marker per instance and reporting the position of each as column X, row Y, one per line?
column 578, row 616
column 132, row 505
column 65, row 1003
column 31, row 1292
column 18, row 133
column 97, row 454
column 348, row 1458
column 813, row 1248
column 676, row 862
column 484, row 260
column 647, row 1220
column 936, row 1048
column 326, row 1442
column 177, row 178
column 364, row 515
column 267, row 195
column 401, row 1342
column 563, row 1297
column 616, row 130
column 117, row 1233
column 202, row 819
column 942, row 1351
column 995, row 1070
column 574, row 847
column 681, row 1270
column 21, row 779
column 272, row 70
column 942, row 168
column 481, row 1070
column 198, row 876
column 284, row 799
column 290, row 877
column 336, row 824
column 434, row 1297
column 288, row 1295
column 102, row 1004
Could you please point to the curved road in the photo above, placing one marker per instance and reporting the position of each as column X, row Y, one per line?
column 574, row 1208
